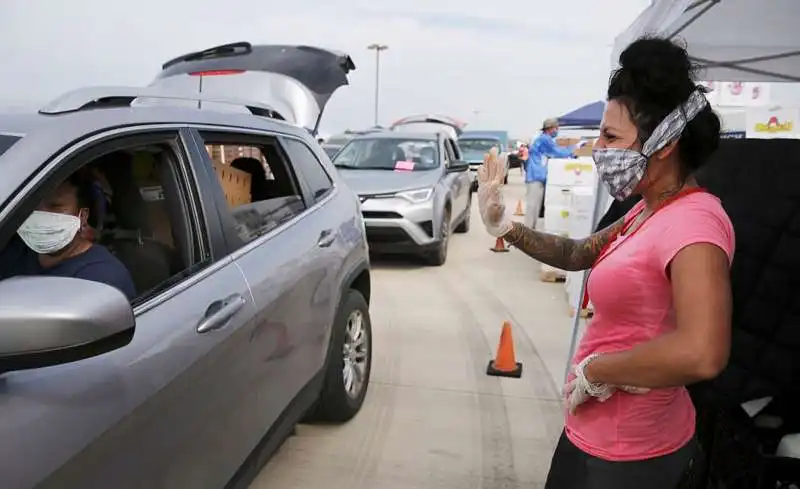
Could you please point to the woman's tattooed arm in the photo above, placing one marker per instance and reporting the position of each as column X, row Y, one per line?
column 558, row 251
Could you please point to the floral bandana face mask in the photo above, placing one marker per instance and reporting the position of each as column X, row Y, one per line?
column 622, row 169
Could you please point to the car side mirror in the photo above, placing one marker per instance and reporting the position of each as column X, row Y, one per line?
column 457, row 166
column 48, row 321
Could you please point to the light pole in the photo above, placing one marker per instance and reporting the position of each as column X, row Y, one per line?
column 377, row 48
column 477, row 113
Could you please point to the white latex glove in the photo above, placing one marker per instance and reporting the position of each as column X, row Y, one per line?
column 490, row 195
column 579, row 390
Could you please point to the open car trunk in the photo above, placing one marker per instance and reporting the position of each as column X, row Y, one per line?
column 296, row 81
column 423, row 121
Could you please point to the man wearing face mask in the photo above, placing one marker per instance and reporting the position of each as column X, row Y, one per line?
column 544, row 146
column 52, row 241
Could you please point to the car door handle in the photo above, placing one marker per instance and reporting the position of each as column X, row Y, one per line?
column 219, row 313
column 326, row 238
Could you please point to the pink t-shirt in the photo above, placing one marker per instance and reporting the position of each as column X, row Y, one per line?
column 632, row 300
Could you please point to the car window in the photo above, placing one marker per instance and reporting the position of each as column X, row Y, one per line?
column 258, row 183
column 136, row 230
column 449, row 152
column 307, row 164
column 456, row 149
column 479, row 145
column 6, row 141
column 386, row 153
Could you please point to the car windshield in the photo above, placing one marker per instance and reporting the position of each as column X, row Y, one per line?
column 388, row 154
column 336, row 141
column 331, row 150
column 6, row 141
column 482, row 145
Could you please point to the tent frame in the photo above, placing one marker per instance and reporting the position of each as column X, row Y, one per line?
column 704, row 6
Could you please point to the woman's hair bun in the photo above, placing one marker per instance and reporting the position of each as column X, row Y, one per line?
column 660, row 68
column 654, row 77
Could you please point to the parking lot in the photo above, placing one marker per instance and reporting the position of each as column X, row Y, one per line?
column 432, row 417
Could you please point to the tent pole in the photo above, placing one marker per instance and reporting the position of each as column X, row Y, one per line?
column 690, row 21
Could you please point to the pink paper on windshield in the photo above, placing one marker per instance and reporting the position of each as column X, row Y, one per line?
column 404, row 166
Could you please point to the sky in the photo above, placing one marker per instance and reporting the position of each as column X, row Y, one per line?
column 515, row 62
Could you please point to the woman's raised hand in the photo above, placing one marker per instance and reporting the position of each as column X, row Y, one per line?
column 490, row 195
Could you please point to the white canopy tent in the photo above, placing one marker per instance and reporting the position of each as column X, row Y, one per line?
column 733, row 40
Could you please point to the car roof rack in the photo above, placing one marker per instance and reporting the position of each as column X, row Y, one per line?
column 118, row 97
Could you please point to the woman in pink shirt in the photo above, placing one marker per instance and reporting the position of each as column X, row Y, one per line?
column 659, row 280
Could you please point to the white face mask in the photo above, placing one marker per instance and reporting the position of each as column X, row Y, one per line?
column 49, row 232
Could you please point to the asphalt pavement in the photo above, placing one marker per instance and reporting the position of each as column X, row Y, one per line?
column 432, row 417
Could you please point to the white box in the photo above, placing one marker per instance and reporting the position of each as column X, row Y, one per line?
column 571, row 172
column 558, row 195
column 573, row 287
column 556, row 219
column 581, row 208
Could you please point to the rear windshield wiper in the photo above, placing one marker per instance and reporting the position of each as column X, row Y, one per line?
column 232, row 49
column 346, row 165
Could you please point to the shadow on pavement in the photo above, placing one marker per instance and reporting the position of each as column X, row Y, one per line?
column 395, row 262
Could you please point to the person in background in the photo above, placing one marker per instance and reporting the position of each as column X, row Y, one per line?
column 543, row 146
column 659, row 280
column 52, row 241
column 522, row 154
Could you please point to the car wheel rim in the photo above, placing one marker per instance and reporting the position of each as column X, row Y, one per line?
column 355, row 352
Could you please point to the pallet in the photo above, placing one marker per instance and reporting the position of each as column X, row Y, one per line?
column 553, row 276
column 586, row 312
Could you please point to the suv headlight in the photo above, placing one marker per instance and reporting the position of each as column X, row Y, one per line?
column 416, row 196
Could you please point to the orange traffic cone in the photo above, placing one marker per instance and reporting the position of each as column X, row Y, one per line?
column 505, row 363
column 519, row 211
column 499, row 246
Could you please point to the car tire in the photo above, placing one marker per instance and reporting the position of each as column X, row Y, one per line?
column 351, row 337
column 438, row 256
column 463, row 226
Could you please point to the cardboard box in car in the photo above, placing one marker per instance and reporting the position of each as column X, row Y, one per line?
column 571, row 172
column 235, row 184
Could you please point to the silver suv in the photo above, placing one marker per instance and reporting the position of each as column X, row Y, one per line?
column 190, row 283
column 414, row 190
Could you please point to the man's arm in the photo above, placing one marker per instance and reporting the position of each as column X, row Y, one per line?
column 109, row 273
column 558, row 251
column 553, row 150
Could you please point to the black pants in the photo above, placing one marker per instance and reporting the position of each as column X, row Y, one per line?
column 572, row 468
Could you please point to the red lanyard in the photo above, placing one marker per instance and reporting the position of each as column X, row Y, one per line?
column 604, row 251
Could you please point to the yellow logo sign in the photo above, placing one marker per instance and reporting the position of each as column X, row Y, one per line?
column 774, row 125
column 578, row 168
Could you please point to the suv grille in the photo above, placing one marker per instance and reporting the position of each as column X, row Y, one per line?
column 381, row 215
column 388, row 235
